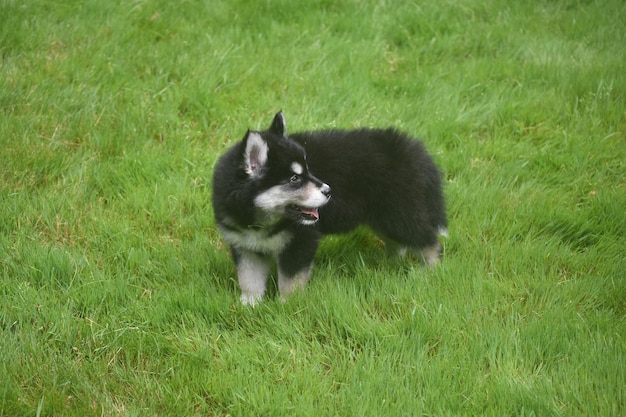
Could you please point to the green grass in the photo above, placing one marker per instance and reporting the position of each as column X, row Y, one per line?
column 118, row 298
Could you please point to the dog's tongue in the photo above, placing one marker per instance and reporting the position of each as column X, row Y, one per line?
column 311, row 212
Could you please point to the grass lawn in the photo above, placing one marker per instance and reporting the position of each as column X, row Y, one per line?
column 118, row 297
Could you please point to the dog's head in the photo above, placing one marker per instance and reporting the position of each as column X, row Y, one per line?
column 278, row 166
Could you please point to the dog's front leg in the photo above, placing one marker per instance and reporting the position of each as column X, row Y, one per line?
column 288, row 284
column 295, row 264
column 252, row 273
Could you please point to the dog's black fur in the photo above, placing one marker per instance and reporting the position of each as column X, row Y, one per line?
column 276, row 195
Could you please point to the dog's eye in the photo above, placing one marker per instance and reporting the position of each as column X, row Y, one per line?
column 295, row 179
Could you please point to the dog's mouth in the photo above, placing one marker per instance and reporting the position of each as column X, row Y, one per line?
column 307, row 214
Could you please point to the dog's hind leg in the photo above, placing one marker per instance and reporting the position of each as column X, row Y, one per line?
column 252, row 273
column 422, row 242
column 429, row 255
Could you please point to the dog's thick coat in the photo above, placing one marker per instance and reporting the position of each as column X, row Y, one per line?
column 275, row 196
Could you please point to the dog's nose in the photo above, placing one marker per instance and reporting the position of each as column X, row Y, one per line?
column 326, row 190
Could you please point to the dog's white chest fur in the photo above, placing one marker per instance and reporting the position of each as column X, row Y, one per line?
column 257, row 240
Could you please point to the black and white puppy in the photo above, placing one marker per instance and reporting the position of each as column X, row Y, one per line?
column 275, row 196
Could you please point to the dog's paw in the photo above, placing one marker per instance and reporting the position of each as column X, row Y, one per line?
column 251, row 299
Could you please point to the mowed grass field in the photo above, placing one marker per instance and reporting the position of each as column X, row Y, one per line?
column 118, row 297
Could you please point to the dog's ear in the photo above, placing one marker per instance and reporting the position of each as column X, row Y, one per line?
column 255, row 154
column 279, row 126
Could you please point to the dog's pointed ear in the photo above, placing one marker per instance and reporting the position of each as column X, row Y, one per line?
column 255, row 154
column 279, row 125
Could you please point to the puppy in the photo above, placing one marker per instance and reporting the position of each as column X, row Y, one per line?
column 275, row 196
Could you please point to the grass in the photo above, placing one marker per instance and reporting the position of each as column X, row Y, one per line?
column 117, row 296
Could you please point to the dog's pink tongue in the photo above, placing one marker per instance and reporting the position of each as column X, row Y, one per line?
column 311, row 212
